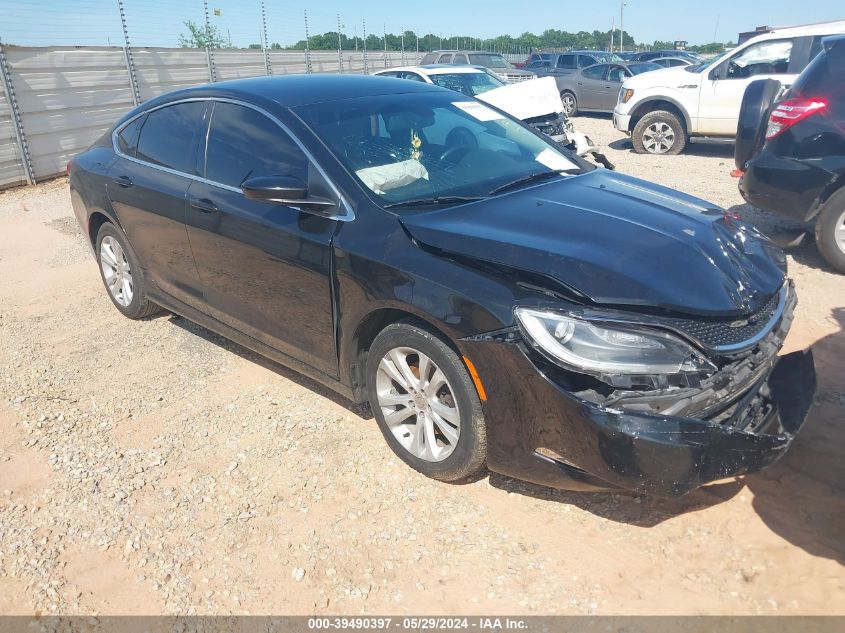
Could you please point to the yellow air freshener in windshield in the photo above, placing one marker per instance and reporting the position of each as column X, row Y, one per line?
column 416, row 143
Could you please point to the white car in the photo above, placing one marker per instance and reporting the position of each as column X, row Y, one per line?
column 663, row 109
column 535, row 102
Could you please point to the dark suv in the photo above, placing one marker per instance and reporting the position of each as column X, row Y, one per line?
column 791, row 149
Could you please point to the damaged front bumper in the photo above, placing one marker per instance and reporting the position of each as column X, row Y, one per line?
column 540, row 430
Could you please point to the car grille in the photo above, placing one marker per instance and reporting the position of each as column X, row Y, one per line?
column 727, row 335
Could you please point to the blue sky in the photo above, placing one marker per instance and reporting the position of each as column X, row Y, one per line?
column 159, row 22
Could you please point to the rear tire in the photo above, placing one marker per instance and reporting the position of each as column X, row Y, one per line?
column 570, row 103
column 413, row 377
column 121, row 274
column 830, row 231
column 659, row 132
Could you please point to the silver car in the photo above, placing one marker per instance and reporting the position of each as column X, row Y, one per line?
column 494, row 62
column 596, row 88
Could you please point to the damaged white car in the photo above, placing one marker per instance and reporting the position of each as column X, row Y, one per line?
column 535, row 102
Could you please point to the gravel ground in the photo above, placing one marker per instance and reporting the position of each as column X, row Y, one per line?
column 153, row 467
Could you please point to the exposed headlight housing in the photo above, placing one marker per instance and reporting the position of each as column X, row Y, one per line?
column 602, row 349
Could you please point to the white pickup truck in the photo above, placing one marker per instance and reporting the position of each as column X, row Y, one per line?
column 663, row 109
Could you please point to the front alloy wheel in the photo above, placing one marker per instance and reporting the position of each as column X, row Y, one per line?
column 425, row 402
column 418, row 404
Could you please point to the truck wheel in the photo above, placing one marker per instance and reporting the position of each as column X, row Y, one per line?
column 753, row 118
column 659, row 132
column 425, row 403
column 830, row 231
column 570, row 103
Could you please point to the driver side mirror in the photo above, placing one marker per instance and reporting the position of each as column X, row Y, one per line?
column 286, row 190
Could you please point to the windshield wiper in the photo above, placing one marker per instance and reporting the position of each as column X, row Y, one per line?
column 540, row 175
column 419, row 202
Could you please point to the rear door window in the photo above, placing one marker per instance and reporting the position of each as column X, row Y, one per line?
column 459, row 59
column 446, row 58
column 169, row 135
column 595, row 72
column 586, row 60
column 566, row 61
column 243, row 143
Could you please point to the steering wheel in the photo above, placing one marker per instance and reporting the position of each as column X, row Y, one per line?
column 458, row 142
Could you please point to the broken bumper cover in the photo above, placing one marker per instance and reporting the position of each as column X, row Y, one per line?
column 540, row 433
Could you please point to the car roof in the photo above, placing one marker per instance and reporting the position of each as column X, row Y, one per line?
column 819, row 28
column 291, row 91
column 438, row 69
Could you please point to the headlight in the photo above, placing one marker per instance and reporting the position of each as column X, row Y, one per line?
column 609, row 349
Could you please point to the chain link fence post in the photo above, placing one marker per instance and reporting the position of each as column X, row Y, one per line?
column 384, row 35
column 127, row 55
column 339, row 47
column 17, row 122
column 209, row 54
column 268, row 69
column 364, row 47
column 307, row 47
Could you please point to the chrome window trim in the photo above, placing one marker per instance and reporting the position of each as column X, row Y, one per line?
column 348, row 214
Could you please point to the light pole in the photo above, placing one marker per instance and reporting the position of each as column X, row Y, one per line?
column 622, row 26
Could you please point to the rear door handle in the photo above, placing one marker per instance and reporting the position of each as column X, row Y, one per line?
column 123, row 181
column 204, row 205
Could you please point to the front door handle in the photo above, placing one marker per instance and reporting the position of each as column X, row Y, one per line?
column 123, row 181
column 204, row 205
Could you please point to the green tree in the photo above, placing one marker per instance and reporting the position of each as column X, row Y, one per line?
column 202, row 37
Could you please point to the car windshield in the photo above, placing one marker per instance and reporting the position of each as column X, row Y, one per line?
column 643, row 67
column 697, row 68
column 488, row 60
column 470, row 84
column 428, row 149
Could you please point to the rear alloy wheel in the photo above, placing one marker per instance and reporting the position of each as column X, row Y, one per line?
column 659, row 132
column 121, row 274
column 830, row 231
column 570, row 103
column 425, row 403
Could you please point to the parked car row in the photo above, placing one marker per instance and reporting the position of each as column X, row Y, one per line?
column 494, row 62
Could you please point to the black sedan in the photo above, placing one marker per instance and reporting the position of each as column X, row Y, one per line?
column 495, row 299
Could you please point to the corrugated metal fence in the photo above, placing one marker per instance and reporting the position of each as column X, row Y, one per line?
column 66, row 97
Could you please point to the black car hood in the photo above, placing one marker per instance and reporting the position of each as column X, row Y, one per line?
column 617, row 240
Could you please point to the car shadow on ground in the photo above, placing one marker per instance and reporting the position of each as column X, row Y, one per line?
column 362, row 411
column 777, row 227
column 625, row 507
column 802, row 496
column 710, row 150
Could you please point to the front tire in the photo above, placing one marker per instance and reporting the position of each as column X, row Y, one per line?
column 659, row 132
column 121, row 274
column 425, row 403
column 830, row 231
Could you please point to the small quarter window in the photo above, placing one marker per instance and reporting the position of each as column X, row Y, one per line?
column 127, row 139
